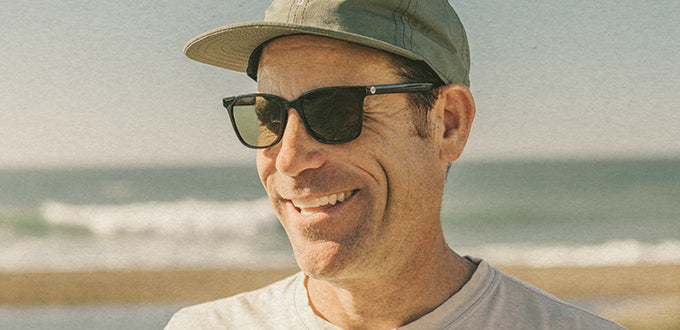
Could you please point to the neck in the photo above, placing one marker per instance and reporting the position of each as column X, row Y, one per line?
column 395, row 297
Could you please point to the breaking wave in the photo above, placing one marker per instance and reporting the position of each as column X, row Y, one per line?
column 181, row 219
column 611, row 253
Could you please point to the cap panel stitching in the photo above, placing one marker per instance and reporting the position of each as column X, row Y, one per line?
column 304, row 10
column 403, row 26
column 408, row 30
column 399, row 25
column 290, row 10
column 396, row 24
column 296, row 9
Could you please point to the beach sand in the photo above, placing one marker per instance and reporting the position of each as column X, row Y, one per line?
column 639, row 297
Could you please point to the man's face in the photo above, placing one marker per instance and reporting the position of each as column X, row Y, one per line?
column 359, row 206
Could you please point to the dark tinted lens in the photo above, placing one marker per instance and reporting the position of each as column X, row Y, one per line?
column 334, row 115
column 258, row 119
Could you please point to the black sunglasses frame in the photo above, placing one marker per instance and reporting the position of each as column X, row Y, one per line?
column 296, row 104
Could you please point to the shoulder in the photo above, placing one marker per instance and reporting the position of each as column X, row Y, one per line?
column 516, row 304
column 269, row 307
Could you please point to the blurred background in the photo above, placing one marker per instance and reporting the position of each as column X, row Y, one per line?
column 116, row 155
column 101, row 83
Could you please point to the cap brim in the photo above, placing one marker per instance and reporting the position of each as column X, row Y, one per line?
column 230, row 46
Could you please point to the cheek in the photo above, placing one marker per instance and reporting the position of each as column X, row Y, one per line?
column 408, row 165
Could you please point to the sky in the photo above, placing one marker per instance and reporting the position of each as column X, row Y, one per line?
column 105, row 83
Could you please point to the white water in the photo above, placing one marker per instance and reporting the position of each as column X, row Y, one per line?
column 201, row 234
column 186, row 218
column 611, row 253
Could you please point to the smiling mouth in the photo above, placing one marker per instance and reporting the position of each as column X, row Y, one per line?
column 311, row 206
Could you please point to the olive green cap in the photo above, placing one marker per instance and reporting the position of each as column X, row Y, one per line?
column 425, row 30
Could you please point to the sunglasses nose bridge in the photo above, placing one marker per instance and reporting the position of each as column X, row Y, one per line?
column 296, row 141
column 296, row 106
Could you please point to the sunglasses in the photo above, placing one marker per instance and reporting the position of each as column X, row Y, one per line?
column 330, row 115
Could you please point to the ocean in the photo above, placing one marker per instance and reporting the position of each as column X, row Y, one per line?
column 531, row 213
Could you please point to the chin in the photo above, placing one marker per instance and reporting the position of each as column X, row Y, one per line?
column 326, row 260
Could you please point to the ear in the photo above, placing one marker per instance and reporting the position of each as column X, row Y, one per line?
column 455, row 111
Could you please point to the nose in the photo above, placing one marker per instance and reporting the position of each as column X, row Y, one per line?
column 298, row 151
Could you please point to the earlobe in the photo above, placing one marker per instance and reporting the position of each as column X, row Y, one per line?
column 456, row 110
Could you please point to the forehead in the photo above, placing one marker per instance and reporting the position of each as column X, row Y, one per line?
column 316, row 62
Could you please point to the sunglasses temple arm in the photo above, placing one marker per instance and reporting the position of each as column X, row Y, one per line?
column 399, row 88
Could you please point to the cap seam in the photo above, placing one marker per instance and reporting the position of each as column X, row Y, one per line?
column 290, row 11
column 296, row 10
column 299, row 13
column 398, row 26
column 304, row 10
column 408, row 26
column 402, row 18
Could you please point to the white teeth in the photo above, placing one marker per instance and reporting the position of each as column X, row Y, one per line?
column 321, row 201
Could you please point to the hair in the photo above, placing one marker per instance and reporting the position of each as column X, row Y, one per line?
column 413, row 71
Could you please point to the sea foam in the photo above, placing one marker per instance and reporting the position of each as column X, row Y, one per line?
column 610, row 253
column 181, row 218
column 194, row 233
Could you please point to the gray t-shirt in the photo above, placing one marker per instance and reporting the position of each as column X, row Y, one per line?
column 490, row 300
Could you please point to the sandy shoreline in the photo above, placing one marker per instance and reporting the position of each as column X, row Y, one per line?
column 642, row 295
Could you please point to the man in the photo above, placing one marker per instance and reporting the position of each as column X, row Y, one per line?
column 362, row 107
